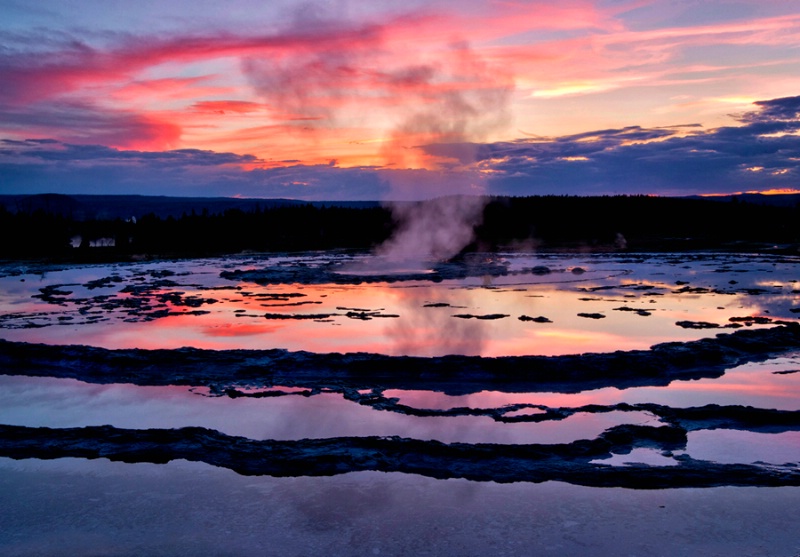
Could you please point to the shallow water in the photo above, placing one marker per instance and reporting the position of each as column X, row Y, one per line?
column 591, row 304
column 76, row 507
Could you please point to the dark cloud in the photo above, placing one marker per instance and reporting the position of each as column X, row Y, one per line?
column 38, row 166
column 80, row 122
column 763, row 152
column 48, row 150
column 787, row 108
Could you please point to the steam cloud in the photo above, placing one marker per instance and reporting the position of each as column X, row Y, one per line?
column 458, row 99
column 435, row 229
column 474, row 103
column 450, row 96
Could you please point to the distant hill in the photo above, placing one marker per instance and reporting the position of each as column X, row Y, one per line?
column 111, row 207
column 776, row 200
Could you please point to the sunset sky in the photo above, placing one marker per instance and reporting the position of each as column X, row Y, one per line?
column 331, row 100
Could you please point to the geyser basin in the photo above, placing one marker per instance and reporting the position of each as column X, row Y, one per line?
column 497, row 304
column 345, row 446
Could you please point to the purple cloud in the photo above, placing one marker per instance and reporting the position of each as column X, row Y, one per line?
column 762, row 152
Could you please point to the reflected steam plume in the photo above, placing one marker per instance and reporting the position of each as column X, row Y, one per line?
column 432, row 331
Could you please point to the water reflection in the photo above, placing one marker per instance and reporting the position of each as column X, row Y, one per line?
column 61, row 508
column 544, row 305
column 730, row 446
column 49, row 402
column 292, row 414
column 428, row 327
column 774, row 383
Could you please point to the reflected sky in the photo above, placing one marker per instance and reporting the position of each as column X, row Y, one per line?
column 774, row 383
column 730, row 446
column 51, row 402
column 64, row 403
column 542, row 305
column 570, row 304
column 74, row 506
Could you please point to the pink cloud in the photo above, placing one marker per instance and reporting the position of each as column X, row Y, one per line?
column 361, row 92
column 150, row 92
column 30, row 78
column 126, row 131
column 224, row 107
column 628, row 57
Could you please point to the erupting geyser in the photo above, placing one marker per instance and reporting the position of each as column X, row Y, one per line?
column 427, row 232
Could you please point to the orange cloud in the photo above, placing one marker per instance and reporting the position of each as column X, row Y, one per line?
column 373, row 92
column 225, row 107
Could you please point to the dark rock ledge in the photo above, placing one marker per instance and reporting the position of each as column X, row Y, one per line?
column 662, row 364
column 333, row 273
column 710, row 416
column 570, row 462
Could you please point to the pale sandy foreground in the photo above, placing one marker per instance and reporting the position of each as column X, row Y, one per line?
column 78, row 507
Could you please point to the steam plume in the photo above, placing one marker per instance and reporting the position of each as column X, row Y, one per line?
column 473, row 104
column 435, row 229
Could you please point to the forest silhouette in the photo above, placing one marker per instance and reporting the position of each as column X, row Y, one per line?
column 117, row 228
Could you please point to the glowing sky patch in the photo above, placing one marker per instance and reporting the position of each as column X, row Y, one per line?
column 386, row 91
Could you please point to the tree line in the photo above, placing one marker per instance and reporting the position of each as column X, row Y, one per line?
column 557, row 222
